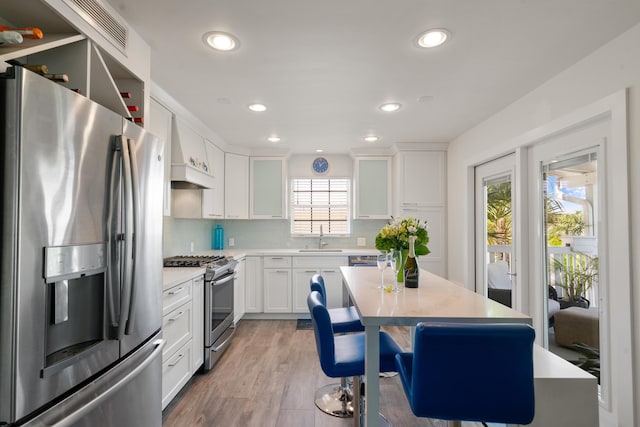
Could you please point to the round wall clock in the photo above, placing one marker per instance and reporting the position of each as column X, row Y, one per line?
column 320, row 165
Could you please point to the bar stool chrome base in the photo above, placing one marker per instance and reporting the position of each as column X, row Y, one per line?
column 335, row 399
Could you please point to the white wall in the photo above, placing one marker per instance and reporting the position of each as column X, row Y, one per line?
column 609, row 69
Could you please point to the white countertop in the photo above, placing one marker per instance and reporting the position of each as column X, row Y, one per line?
column 175, row 275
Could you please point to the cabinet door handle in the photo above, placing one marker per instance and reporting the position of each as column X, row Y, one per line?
column 274, row 258
column 282, row 271
column 310, row 271
column 173, row 319
column 328, row 271
column 177, row 359
column 363, row 216
column 176, row 291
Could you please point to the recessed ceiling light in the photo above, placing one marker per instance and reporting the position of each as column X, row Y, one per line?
column 258, row 108
column 319, row 150
column 390, row 107
column 220, row 41
column 273, row 139
column 371, row 138
column 433, row 38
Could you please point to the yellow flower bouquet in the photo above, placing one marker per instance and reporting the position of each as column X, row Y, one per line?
column 395, row 235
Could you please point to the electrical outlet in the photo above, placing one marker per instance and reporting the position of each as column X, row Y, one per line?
column 232, row 242
column 192, row 246
column 362, row 241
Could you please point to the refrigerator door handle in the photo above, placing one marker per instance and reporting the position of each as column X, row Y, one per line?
column 94, row 403
column 135, row 200
column 113, row 242
column 127, row 270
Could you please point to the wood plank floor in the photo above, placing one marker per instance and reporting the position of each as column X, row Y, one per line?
column 268, row 377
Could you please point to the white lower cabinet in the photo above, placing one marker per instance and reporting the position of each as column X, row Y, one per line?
column 239, row 291
column 183, row 330
column 277, row 285
column 280, row 284
column 176, row 371
column 301, row 288
column 198, row 324
column 253, row 275
column 277, row 291
column 329, row 268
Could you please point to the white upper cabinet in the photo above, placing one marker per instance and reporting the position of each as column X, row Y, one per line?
column 236, row 181
column 421, row 178
column 372, row 187
column 268, row 188
column 160, row 120
column 213, row 198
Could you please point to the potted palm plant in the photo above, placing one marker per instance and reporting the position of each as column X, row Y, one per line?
column 576, row 274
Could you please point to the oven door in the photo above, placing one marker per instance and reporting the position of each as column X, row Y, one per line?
column 219, row 307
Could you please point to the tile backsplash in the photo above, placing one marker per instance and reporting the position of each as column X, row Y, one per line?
column 179, row 234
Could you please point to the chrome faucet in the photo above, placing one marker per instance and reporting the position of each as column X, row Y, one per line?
column 321, row 243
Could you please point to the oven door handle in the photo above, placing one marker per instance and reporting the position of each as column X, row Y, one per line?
column 232, row 332
column 223, row 281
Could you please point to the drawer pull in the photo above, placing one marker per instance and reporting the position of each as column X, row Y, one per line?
column 178, row 358
column 173, row 319
column 309, row 271
column 328, row 271
column 274, row 258
column 176, row 291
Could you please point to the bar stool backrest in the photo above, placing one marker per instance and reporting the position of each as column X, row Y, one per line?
column 473, row 372
column 317, row 284
column 324, row 333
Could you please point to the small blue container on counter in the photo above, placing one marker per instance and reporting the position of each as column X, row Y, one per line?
column 218, row 237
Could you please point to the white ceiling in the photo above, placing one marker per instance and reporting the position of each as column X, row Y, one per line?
column 324, row 67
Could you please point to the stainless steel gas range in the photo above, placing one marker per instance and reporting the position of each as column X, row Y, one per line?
column 218, row 301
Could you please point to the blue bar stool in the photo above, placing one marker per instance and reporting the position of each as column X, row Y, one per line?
column 441, row 381
column 343, row 355
column 343, row 319
column 336, row 399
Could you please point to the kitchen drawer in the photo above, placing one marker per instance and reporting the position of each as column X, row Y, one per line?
column 177, row 328
column 176, row 372
column 176, row 296
column 276, row 262
column 319, row 261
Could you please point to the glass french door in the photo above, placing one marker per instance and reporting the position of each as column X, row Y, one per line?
column 496, row 275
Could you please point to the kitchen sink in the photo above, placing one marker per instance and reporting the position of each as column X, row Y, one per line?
column 319, row 250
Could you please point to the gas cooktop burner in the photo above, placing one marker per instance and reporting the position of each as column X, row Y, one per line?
column 196, row 261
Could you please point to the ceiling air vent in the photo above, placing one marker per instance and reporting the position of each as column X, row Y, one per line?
column 96, row 14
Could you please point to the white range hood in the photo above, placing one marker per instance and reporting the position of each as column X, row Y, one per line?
column 190, row 168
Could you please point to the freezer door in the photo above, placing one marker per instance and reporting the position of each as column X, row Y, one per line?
column 144, row 311
column 55, row 145
column 126, row 396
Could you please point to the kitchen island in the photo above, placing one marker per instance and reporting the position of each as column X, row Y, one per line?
column 439, row 300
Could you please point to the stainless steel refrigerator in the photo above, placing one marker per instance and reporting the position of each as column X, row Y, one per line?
column 81, row 271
